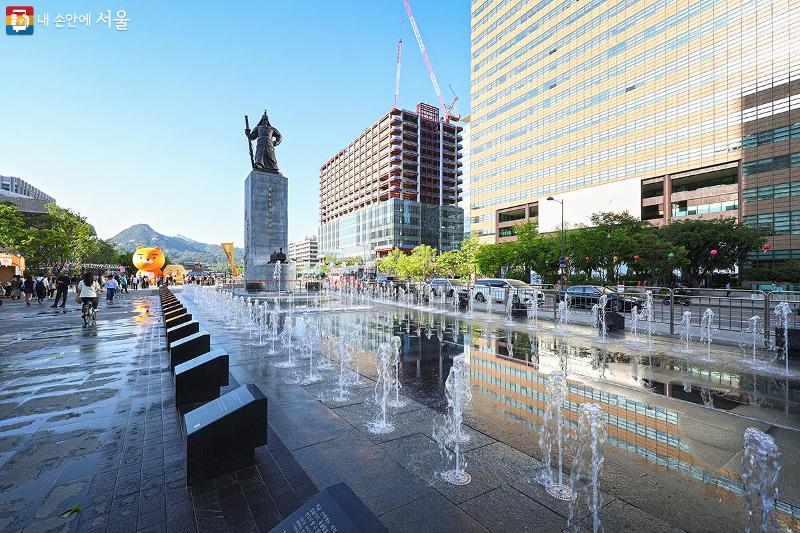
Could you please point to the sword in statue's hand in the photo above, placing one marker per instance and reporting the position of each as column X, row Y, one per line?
column 249, row 142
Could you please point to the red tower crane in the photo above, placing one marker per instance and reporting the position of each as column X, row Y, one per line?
column 445, row 108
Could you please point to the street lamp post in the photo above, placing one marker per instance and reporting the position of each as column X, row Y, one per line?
column 551, row 199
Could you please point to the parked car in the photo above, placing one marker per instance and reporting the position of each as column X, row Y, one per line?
column 446, row 284
column 496, row 287
column 682, row 295
column 585, row 296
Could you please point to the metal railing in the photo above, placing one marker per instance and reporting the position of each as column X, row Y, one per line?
column 732, row 309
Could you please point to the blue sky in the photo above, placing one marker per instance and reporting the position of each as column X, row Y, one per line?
column 146, row 126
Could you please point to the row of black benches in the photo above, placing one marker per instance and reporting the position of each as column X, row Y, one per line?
column 221, row 431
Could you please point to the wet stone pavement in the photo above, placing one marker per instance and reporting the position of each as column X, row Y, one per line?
column 87, row 419
column 90, row 439
column 397, row 474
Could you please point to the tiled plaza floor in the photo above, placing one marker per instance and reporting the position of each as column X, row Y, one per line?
column 87, row 418
column 90, row 439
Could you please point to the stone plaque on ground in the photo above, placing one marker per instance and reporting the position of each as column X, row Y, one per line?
column 222, row 435
column 334, row 509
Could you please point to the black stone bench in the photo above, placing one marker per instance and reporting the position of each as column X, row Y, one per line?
column 173, row 310
column 222, row 435
column 615, row 323
column 182, row 330
column 175, row 320
column 189, row 347
column 198, row 380
column 335, row 508
column 794, row 341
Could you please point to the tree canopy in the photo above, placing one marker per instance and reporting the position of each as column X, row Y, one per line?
column 619, row 242
column 51, row 240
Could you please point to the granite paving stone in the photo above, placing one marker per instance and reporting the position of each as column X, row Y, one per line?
column 420, row 514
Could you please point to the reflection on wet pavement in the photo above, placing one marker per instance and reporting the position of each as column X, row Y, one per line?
column 674, row 415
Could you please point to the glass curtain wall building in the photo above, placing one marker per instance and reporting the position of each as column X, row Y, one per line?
column 692, row 104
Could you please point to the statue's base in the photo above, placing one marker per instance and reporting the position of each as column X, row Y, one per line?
column 266, row 197
column 261, row 278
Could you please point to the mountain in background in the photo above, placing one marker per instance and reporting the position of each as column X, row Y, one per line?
column 178, row 249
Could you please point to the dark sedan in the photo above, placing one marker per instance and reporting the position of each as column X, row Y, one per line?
column 585, row 296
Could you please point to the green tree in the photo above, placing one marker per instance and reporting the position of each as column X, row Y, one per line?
column 451, row 265
column 731, row 240
column 74, row 230
column 44, row 248
column 12, row 226
column 389, row 264
column 468, row 250
column 102, row 252
column 420, row 262
column 490, row 258
column 535, row 251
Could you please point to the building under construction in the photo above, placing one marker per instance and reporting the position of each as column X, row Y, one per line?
column 397, row 185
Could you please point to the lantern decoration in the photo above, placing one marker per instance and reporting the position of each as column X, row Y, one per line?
column 635, row 257
column 587, row 258
column 670, row 255
column 713, row 252
column 615, row 258
column 766, row 247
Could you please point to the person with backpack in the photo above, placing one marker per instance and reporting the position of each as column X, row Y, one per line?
column 123, row 283
column 40, row 288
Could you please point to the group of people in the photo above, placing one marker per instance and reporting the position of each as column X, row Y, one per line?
column 56, row 287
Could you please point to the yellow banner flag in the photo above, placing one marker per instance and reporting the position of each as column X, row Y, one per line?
column 227, row 247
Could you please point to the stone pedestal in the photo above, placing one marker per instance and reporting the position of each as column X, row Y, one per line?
column 266, row 228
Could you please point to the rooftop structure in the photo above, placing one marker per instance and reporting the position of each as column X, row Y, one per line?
column 22, row 194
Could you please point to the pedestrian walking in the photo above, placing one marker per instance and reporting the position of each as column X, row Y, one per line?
column 40, row 288
column 111, row 288
column 16, row 287
column 728, row 289
column 62, row 286
column 51, row 287
column 123, row 283
column 27, row 287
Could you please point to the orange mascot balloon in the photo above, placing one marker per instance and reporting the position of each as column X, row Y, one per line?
column 149, row 259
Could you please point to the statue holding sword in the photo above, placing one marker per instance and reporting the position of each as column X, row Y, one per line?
column 267, row 137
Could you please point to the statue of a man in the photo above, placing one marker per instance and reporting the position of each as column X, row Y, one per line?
column 267, row 137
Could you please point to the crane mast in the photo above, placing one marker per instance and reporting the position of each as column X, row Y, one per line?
column 445, row 108
column 397, row 72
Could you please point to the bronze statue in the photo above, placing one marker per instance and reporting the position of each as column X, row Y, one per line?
column 267, row 137
column 276, row 256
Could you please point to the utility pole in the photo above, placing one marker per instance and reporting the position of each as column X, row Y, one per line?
column 551, row 199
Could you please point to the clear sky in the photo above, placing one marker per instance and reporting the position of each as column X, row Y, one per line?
column 146, row 126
